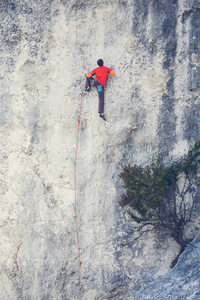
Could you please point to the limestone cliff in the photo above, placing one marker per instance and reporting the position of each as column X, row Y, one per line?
column 182, row 282
column 152, row 106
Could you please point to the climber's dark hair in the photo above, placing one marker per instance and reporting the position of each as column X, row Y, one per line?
column 100, row 62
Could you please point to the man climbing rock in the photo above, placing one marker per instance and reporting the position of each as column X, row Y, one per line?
column 99, row 82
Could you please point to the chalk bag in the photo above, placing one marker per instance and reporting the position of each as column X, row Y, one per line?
column 100, row 88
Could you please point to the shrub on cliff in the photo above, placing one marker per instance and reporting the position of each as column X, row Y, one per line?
column 162, row 197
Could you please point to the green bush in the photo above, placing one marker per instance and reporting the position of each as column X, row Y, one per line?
column 154, row 196
column 145, row 189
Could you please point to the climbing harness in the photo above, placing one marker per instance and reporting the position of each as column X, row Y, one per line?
column 75, row 202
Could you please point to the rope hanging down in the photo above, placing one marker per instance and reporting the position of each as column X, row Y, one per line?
column 79, row 252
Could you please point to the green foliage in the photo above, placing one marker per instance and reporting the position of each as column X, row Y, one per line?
column 192, row 160
column 154, row 196
column 145, row 189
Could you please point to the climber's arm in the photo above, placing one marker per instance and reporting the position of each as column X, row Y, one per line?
column 91, row 74
column 112, row 73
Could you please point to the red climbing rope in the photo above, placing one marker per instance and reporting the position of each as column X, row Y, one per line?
column 79, row 252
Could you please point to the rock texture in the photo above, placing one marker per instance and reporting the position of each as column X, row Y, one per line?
column 182, row 282
column 152, row 106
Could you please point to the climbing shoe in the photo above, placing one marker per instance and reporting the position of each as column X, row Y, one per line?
column 102, row 116
column 87, row 89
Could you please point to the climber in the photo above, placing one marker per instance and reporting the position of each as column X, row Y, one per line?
column 99, row 82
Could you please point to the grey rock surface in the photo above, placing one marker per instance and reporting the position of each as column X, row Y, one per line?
column 182, row 282
column 152, row 106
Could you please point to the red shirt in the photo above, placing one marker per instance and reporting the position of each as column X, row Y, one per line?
column 101, row 74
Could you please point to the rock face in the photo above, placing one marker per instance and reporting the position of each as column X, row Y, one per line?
column 152, row 106
column 182, row 282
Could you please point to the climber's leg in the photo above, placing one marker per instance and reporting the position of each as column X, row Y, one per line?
column 89, row 82
column 101, row 101
column 100, row 90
